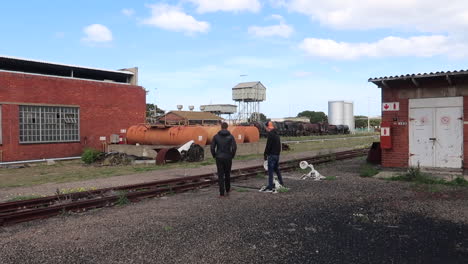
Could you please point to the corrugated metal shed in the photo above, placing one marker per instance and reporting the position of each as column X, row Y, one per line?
column 195, row 115
column 419, row 75
column 63, row 70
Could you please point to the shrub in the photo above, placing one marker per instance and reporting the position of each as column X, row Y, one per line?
column 90, row 155
column 367, row 170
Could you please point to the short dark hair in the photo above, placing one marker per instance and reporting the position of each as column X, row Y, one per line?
column 224, row 125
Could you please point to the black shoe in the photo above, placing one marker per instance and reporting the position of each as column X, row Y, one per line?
column 265, row 189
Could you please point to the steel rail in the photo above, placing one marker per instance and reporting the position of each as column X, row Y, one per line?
column 21, row 211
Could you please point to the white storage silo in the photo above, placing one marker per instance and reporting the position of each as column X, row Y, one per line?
column 336, row 112
column 341, row 113
column 349, row 115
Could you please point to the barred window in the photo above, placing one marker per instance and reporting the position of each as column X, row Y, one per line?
column 41, row 124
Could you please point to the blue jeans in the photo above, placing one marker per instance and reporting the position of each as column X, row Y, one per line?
column 273, row 166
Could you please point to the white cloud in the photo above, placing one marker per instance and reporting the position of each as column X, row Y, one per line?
column 128, row 11
column 420, row 15
column 174, row 19
column 281, row 30
column 97, row 33
column 420, row 46
column 206, row 6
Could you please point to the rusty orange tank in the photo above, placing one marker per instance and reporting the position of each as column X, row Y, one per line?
column 251, row 134
column 211, row 131
column 238, row 133
column 177, row 135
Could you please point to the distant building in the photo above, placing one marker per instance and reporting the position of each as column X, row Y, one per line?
column 423, row 120
column 51, row 110
column 189, row 118
column 297, row 119
column 248, row 95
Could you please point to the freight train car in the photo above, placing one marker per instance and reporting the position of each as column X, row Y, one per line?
column 297, row 128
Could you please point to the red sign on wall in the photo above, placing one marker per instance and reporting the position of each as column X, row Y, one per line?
column 391, row 106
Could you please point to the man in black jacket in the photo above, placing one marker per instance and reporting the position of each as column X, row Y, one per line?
column 223, row 149
column 272, row 153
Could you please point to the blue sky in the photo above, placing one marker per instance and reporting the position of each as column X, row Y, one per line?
column 192, row 52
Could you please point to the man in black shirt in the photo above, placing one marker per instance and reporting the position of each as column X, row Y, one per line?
column 272, row 153
column 223, row 149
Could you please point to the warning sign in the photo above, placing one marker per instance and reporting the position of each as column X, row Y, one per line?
column 385, row 131
column 391, row 106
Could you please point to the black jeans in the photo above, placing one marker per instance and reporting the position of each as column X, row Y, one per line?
column 224, row 174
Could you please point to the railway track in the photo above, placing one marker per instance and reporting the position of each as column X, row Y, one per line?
column 27, row 210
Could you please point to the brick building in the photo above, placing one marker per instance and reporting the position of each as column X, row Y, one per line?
column 423, row 119
column 50, row 110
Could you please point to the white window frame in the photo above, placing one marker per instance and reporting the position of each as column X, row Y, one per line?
column 48, row 124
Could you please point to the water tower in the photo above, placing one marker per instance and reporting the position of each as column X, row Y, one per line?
column 248, row 95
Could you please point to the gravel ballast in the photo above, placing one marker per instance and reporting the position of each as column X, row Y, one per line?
column 346, row 220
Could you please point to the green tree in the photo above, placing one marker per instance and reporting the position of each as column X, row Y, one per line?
column 361, row 121
column 314, row 117
column 257, row 117
column 153, row 110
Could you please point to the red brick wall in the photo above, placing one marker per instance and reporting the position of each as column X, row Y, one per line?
column 465, row 132
column 105, row 109
column 397, row 156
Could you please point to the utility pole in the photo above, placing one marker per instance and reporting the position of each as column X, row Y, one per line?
column 368, row 114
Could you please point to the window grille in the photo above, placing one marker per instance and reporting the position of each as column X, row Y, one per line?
column 43, row 124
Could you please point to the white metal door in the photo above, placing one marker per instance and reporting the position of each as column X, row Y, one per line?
column 448, row 137
column 436, row 132
column 421, row 134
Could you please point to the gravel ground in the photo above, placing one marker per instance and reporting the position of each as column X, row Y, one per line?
column 347, row 220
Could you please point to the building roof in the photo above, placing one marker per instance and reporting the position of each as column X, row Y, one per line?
column 448, row 76
column 246, row 85
column 195, row 115
column 8, row 63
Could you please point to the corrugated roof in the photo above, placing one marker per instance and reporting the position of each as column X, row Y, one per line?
column 195, row 115
column 64, row 65
column 245, row 85
column 419, row 75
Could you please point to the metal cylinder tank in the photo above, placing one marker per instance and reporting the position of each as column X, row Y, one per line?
column 176, row 135
column 238, row 132
column 341, row 113
column 211, row 131
column 349, row 115
column 251, row 134
column 336, row 112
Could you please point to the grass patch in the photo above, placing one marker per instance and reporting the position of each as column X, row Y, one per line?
column 260, row 175
column 415, row 175
column 145, row 169
column 123, row 200
column 168, row 228
column 75, row 170
column 248, row 157
column 327, row 136
column 282, row 190
column 368, row 170
column 24, row 197
column 330, row 178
